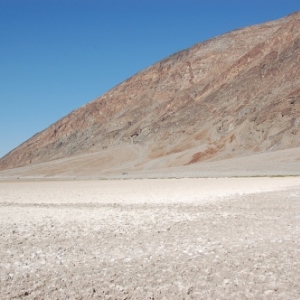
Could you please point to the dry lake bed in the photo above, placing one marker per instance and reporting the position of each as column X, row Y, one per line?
column 225, row 238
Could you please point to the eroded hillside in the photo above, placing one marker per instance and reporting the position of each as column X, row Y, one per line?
column 234, row 95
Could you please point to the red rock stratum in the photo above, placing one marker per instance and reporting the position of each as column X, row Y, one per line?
column 235, row 95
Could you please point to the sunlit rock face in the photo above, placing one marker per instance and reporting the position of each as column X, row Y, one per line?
column 234, row 95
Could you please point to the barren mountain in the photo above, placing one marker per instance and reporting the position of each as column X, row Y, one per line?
column 232, row 96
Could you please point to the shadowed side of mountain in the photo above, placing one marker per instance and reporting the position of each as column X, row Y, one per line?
column 233, row 96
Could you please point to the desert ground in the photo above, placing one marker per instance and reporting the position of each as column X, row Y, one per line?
column 206, row 238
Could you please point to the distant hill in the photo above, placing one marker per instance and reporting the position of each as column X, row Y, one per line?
column 232, row 96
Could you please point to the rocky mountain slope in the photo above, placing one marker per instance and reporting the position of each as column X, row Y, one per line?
column 235, row 95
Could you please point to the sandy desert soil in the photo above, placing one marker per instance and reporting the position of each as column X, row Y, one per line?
column 227, row 238
column 100, row 165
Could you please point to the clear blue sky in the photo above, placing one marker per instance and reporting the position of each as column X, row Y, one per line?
column 56, row 55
